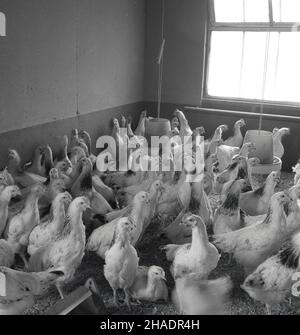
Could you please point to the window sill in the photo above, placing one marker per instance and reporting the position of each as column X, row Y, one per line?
column 252, row 107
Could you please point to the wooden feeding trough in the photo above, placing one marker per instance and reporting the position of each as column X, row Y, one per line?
column 85, row 300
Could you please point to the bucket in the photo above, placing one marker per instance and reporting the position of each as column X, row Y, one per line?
column 260, row 172
column 263, row 142
column 157, row 127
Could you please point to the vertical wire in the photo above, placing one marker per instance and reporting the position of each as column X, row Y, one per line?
column 264, row 81
column 77, row 60
column 160, row 66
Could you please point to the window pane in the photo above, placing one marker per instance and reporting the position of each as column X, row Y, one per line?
column 237, row 60
column 288, row 72
column 225, row 63
column 229, row 10
column 286, row 10
column 234, row 11
column 256, row 11
column 253, row 65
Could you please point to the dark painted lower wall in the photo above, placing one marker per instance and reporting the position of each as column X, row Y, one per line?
column 210, row 119
column 97, row 123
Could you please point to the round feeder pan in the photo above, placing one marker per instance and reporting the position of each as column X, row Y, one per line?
column 260, row 172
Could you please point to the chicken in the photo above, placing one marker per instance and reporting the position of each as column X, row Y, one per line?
column 228, row 216
column 121, row 262
column 278, row 134
column 200, row 257
column 141, row 128
column 101, row 238
column 6, row 195
column 66, row 252
column 176, row 196
column 185, row 129
column 21, row 177
column 225, row 153
column 126, row 194
column 62, row 155
column 199, row 204
column 237, row 139
column 272, row 281
column 292, row 210
column 209, row 178
column 257, row 202
column 76, row 154
column 21, row 225
column 46, row 232
column 22, row 287
column 6, row 178
column 54, row 186
column 251, row 162
column 252, row 245
column 103, row 189
column 83, row 186
column 86, row 137
column 76, row 141
column 296, row 170
column 35, row 166
column 150, row 210
column 195, row 296
column 7, row 255
column 149, row 284
column 230, row 173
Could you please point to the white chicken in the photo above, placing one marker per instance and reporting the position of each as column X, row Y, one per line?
column 278, row 147
column 6, row 195
column 101, row 238
column 21, row 225
column 200, row 257
column 237, row 139
column 45, row 233
column 66, row 252
column 121, row 262
column 149, row 284
column 195, row 296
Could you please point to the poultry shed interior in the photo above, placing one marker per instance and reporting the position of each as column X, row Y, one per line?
column 207, row 221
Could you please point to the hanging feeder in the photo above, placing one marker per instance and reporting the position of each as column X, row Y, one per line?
column 159, row 126
column 262, row 141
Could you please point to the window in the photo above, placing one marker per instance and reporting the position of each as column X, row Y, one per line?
column 254, row 50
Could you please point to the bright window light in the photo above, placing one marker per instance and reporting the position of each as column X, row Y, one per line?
column 253, row 62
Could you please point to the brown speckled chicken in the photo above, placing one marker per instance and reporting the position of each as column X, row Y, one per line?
column 272, row 281
column 228, row 216
column 66, row 252
column 252, row 245
column 257, row 202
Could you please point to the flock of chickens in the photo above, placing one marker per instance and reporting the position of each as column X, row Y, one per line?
column 58, row 206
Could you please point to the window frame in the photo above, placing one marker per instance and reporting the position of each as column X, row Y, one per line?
column 270, row 26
